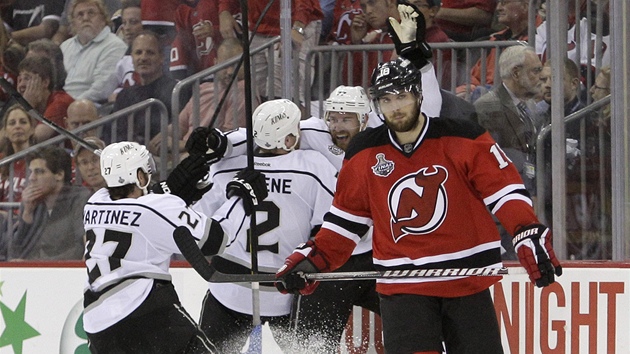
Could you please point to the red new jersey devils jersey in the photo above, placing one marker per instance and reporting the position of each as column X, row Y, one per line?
column 191, row 53
column 429, row 204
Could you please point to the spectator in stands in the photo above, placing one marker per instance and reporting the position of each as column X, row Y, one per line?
column 37, row 84
column 345, row 11
column 197, row 38
column 12, row 55
column 47, row 48
column 601, row 89
column 571, row 89
column 369, row 27
column 513, row 14
column 80, row 113
column 585, row 28
column 87, row 164
column 434, row 34
column 30, row 20
column 159, row 16
column 91, row 55
column 467, row 20
column 19, row 128
column 51, row 217
column 131, row 25
column 508, row 113
column 593, row 238
column 572, row 104
column 146, row 53
column 306, row 17
column 232, row 114
column 64, row 32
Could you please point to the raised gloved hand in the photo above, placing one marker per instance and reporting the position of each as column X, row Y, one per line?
column 409, row 35
column 182, row 181
column 532, row 243
column 251, row 186
column 304, row 259
column 207, row 142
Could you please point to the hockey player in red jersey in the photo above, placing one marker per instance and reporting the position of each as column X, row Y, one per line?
column 426, row 185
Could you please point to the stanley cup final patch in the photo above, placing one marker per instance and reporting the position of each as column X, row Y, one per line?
column 383, row 167
column 335, row 150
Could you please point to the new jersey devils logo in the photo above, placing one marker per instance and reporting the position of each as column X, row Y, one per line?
column 418, row 203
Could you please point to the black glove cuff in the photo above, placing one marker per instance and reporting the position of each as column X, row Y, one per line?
column 415, row 54
column 160, row 188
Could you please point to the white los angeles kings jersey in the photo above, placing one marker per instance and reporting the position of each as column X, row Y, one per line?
column 130, row 243
column 301, row 185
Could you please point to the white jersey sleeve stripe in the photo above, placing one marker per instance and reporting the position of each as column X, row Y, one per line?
column 509, row 197
column 502, row 192
column 350, row 217
column 341, row 231
column 437, row 258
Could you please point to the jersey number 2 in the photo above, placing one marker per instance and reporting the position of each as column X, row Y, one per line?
column 273, row 221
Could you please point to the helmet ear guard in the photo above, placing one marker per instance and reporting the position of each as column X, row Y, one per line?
column 394, row 77
column 273, row 121
column 120, row 163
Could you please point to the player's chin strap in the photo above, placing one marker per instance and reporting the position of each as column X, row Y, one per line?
column 144, row 188
column 189, row 249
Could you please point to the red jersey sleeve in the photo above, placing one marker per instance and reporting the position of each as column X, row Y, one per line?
column 500, row 185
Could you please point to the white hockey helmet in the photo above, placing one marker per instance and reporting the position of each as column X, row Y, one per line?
column 351, row 99
column 273, row 121
column 121, row 161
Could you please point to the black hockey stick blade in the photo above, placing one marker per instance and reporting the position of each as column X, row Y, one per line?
column 188, row 246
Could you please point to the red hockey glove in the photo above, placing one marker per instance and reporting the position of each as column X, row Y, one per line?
column 304, row 259
column 532, row 243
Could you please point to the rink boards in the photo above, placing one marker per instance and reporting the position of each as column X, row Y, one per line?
column 586, row 311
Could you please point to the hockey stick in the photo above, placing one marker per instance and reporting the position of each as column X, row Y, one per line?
column 192, row 253
column 11, row 91
column 253, row 236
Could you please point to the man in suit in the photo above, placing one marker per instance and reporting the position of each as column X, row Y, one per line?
column 508, row 112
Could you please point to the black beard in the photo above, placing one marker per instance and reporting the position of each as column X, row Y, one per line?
column 405, row 126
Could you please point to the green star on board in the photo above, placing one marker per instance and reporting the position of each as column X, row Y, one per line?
column 17, row 330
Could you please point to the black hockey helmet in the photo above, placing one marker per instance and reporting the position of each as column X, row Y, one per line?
column 393, row 77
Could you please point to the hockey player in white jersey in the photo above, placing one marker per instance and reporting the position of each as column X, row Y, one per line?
column 301, row 185
column 130, row 304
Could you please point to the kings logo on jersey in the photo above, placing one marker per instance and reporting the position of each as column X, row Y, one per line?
column 418, row 203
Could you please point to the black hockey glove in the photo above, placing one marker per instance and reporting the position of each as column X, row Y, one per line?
column 182, row 181
column 208, row 142
column 304, row 259
column 251, row 186
column 532, row 243
column 409, row 35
